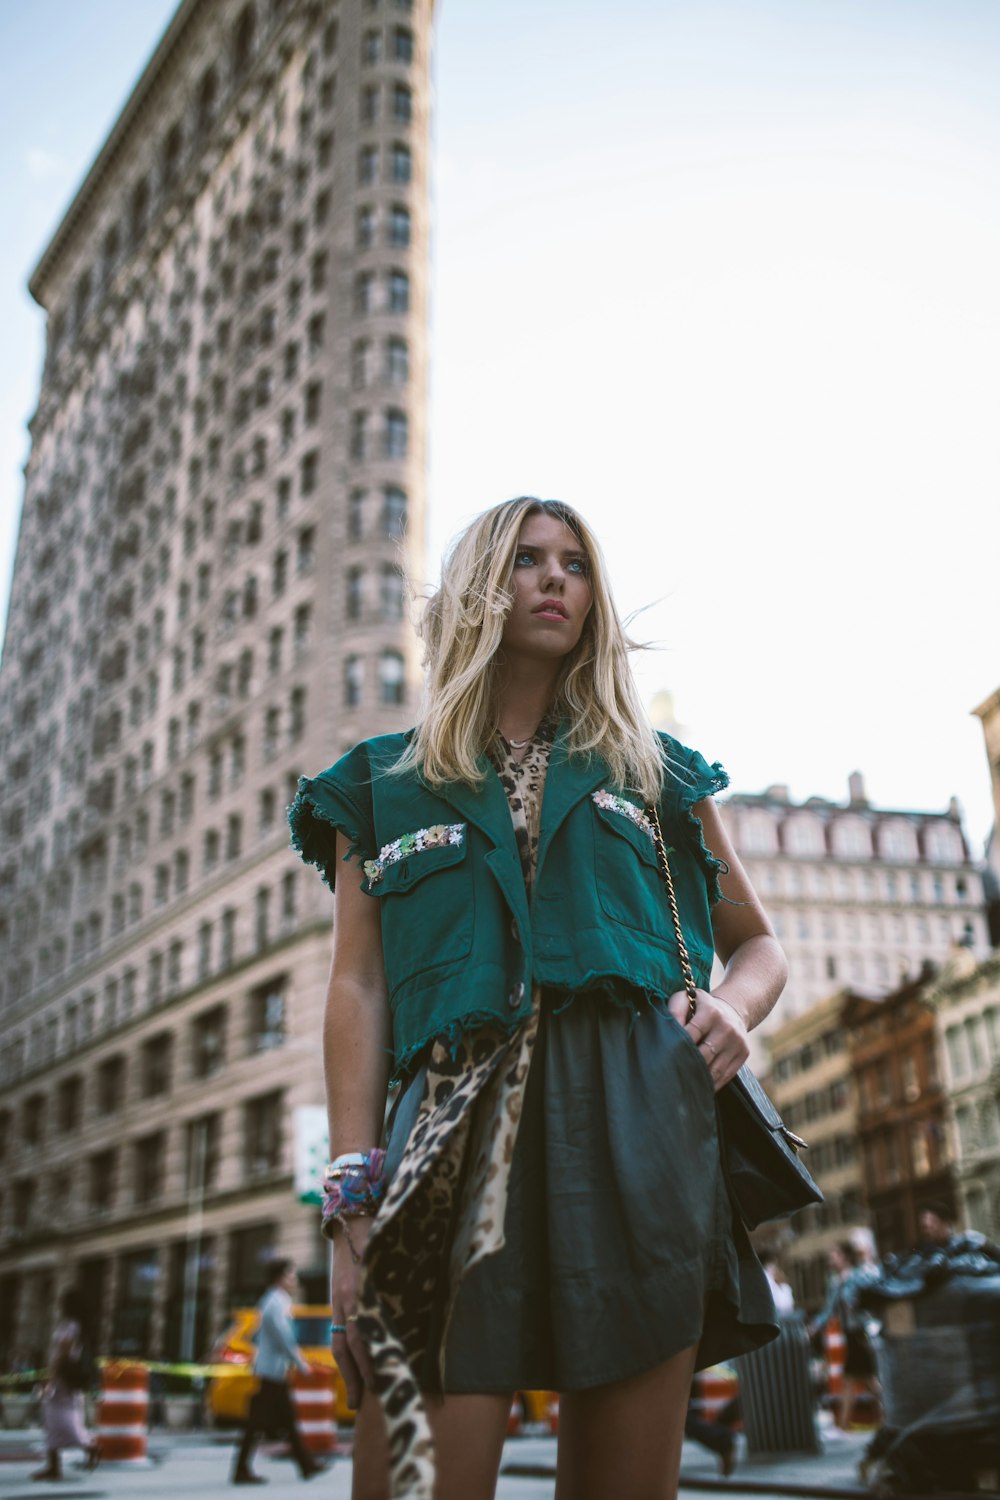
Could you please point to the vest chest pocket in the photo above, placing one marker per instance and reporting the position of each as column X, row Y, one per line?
column 426, row 893
column 625, row 864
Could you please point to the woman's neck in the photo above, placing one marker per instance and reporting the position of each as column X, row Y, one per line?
column 525, row 691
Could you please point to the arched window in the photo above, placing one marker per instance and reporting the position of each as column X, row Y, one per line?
column 896, row 841
column 851, row 838
column 400, row 163
column 396, row 433
column 399, row 292
column 243, row 41
column 942, row 844
column 393, row 512
column 802, row 833
column 354, row 677
column 391, row 593
column 397, row 362
column 173, row 149
column 208, row 99
column 392, row 677
column 399, row 226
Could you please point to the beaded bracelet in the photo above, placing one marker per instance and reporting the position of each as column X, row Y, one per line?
column 353, row 1185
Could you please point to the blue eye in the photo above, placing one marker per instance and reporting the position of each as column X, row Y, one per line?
column 524, row 559
column 577, row 565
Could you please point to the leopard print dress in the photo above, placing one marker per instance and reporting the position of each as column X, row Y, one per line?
column 446, row 1202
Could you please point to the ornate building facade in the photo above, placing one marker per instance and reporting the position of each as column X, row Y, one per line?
column 860, row 896
column 224, row 491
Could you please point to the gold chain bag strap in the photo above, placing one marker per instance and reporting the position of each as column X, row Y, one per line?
column 760, row 1158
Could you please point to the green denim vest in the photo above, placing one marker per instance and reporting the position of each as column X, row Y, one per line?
column 462, row 946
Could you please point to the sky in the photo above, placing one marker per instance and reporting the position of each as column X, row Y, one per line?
column 722, row 275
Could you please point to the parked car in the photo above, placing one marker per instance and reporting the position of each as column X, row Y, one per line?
column 229, row 1394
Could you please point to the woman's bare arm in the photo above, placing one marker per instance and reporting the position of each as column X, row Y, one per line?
column 357, row 1051
column 357, row 1026
column 756, row 968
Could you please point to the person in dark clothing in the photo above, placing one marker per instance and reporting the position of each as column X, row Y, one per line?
column 271, row 1409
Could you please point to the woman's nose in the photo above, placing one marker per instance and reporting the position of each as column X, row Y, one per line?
column 553, row 575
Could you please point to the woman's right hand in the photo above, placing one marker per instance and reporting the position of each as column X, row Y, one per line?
column 349, row 1349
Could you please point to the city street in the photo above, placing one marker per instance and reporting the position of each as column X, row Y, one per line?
column 197, row 1466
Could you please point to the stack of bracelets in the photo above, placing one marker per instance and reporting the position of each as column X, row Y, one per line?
column 353, row 1187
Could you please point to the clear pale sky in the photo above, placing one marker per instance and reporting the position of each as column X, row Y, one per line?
column 726, row 276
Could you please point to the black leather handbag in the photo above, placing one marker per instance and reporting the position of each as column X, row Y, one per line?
column 759, row 1153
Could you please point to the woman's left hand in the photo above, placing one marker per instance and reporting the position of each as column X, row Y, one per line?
column 718, row 1030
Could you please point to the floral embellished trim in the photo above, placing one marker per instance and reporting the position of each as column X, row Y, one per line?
column 612, row 803
column 435, row 837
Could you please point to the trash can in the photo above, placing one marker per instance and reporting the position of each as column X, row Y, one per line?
column 779, row 1413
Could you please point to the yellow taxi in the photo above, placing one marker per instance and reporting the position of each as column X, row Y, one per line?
column 229, row 1394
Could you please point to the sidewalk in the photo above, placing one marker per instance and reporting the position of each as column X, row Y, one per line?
column 197, row 1465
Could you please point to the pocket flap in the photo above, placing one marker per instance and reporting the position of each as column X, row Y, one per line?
column 629, row 821
column 409, row 858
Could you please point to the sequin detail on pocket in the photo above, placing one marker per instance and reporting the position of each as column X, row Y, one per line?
column 435, row 837
column 612, row 803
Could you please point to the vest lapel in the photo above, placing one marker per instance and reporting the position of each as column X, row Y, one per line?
column 485, row 805
column 568, row 781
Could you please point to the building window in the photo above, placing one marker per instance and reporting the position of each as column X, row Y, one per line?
column 369, row 104
column 353, row 603
column 204, row 950
column 391, row 593
column 309, row 472
column 305, row 554
column 402, row 104
column 313, row 402
column 354, row 675
column 227, row 946
column 392, row 677
column 397, row 362
column 69, row 1104
column 395, row 437
column 393, row 513
column 399, row 292
column 234, row 836
column 203, row 1153
column 364, row 292
column 399, row 227
column 272, row 733
column 359, row 436
column 275, row 642
column 210, row 848
column 279, row 577
column 262, row 918
column 360, row 364
column 301, row 628
column 150, row 1164
column 155, row 1065
column 296, row 714
column 356, row 515
column 289, row 887
column 103, row 1181
column 368, row 165
column 364, row 228
column 402, row 44
column 400, row 164
column 262, row 1134
column 208, row 1042
column 267, row 1016
column 371, row 47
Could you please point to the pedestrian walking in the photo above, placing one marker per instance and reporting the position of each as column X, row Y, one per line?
column 271, row 1408
column 850, row 1270
column 548, row 1209
column 70, row 1364
column 781, row 1291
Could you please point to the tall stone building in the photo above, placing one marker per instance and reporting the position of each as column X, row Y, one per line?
column 226, row 478
column 860, row 896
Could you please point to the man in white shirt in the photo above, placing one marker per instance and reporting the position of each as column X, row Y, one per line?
column 271, row 1409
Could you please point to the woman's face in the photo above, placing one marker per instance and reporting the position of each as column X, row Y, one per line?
column 552, row 592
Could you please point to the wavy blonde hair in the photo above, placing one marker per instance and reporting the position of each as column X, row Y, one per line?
column 462, row 629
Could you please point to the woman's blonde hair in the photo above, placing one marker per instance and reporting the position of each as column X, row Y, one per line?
column 462, row 628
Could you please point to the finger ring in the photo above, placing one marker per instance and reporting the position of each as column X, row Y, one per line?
column 351, row 1318
column 708, row 1044
column 338, row 1328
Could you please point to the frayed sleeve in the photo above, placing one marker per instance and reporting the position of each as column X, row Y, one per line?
column 337, row 800
column 693, row 779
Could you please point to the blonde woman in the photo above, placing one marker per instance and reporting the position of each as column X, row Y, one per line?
column 549, row 1211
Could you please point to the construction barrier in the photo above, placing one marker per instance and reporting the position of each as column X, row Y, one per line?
column 712, row 1390
column 123, row 1415
column 312, row 1395
column 515, row 1418
column 835, row 1348
column 553, row 1417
